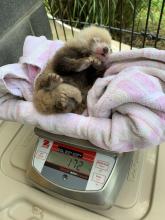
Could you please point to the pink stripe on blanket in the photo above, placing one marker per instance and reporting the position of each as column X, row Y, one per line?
column 125, row 109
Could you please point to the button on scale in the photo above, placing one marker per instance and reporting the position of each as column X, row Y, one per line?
column 102, row 165
column 41, row 155
column 99, row 178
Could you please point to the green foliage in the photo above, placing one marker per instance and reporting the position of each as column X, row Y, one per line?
column 153, row 18
column 105, row 12
column 108, row 13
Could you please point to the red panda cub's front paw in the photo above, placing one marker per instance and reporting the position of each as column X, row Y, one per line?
column 97, row 63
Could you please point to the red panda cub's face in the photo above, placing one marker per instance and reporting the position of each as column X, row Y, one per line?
column 100, row 47
column 96, row 39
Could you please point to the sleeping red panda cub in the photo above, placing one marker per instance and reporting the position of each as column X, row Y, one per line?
column 64, row 84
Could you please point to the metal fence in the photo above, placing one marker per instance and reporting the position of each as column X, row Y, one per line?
column 129, row 35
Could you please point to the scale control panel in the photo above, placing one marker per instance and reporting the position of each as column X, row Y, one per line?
column 72, row 167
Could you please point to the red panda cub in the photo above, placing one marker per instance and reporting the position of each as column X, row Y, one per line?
column 67, row 78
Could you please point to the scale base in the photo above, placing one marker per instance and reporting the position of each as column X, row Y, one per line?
column 144, row 183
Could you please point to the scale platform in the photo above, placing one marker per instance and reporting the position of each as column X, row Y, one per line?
column 141, row 195
column 77, row 171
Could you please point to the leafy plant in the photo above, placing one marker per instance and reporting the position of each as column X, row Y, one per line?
column 110, row 13
column 106, row 12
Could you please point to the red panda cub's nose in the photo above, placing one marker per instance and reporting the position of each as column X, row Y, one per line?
column 105, row 50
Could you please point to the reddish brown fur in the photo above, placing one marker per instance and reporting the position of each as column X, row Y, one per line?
column 64, row 84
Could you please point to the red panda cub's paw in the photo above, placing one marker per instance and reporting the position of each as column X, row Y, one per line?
column 64, row 98
column 67, row 98
column 96, row 63
column 48, row 81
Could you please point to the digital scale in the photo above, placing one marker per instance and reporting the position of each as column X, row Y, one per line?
column 77, row 171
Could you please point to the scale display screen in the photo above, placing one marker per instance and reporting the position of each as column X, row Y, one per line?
column 72, row 160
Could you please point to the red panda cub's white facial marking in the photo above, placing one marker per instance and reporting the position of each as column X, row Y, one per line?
column 100, row 48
